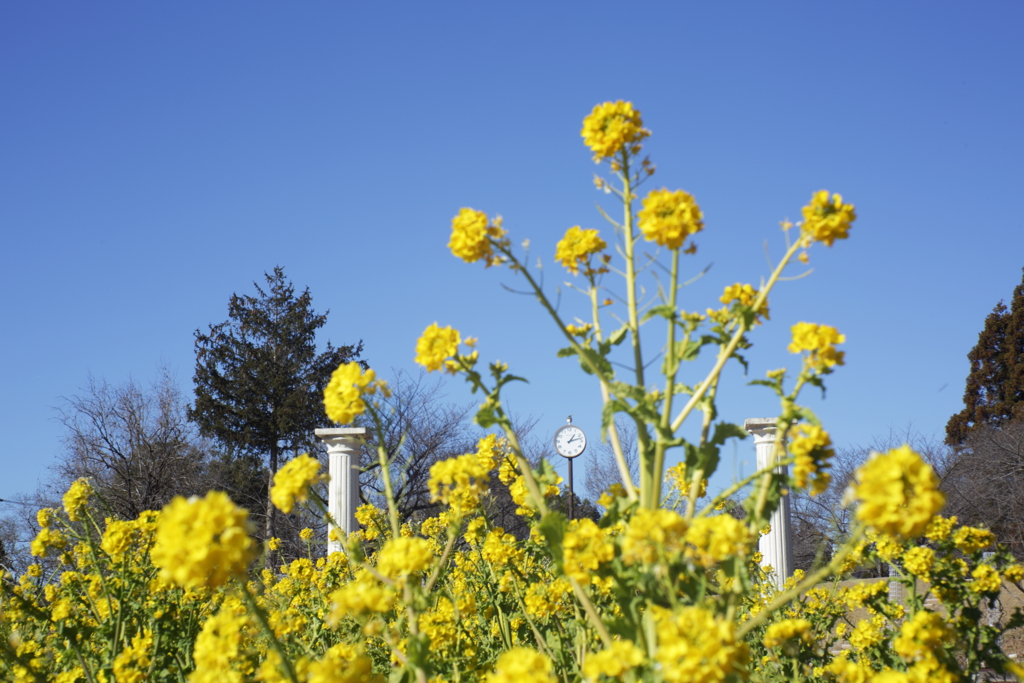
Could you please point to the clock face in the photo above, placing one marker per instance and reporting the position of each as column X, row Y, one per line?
column 570, row 441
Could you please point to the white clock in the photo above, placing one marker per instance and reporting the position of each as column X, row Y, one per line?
column 570, row 441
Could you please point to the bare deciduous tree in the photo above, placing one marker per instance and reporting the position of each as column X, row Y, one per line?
column 823, row 522
column 135, row 444
column 420, row 429
column 603, row 471
column 984, row 482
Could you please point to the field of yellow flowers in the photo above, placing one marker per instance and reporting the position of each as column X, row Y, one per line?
column 662, row 588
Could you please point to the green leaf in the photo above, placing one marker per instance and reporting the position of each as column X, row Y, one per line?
column 725, row 430
column 553, row 526
column 618, row 336
column 666, row 311
column 567, row 351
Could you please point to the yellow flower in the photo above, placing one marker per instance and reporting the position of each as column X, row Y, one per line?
column 812, row 447
column 862, row 594
column 435, row 345
column 132, row 664
column 614, row 661
column 781, row 632
column 522, row 665
column 543, row 600
column 868, row 632
column 273, row 543
column 717, row 538
column 651, row 533
column 613, row 127
column 586, row 548
column 218, row 651
column 47, row 539
column 577, row 247
column 472, row 235
column 475, row 530
column 373, row 520
column 404, row 556
column 122, row 538
column 694, row 646
column 579, row 330
column 460, row 481
column 306, row 534
column 1014, row 573
column 292, row 482
column 342, row 663
column 986, row 579
column 362, row 595
column 677, row 478
column 77, row 498
column 898, row 493
column 668, row 218
column 921, row 636
column 614, row 491
column 826, row 220
column 939, row 528
column 819, row 341
column 970, row 539
column 203, row 541
column 847, row 671
column 919, row 560
column 45, row 517
column 343, row 397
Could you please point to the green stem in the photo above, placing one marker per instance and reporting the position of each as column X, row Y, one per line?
column 261, row 617
column 726, row 353
column 591, row 611
column 385, row 472
column 594, row 368
column 671, row 369
column 809, row 582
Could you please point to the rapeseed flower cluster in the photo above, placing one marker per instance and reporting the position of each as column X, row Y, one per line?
column 577, row 248
column 343, row 396
column 819, row 342
column 898, row 493
column 474, row 237
column 76, row 498
column 614, row 661
column 827, row 219
column 695, row 646
column 669, row 217
column 436, row 345
column 460, row 482
column 293, row 481
column 612, row 128
column 203, row 542
column 811, row 446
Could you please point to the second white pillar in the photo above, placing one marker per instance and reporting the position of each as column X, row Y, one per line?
column 776, row 547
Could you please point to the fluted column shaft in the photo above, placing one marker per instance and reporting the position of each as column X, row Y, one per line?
column 776, row 547
column 343, row 449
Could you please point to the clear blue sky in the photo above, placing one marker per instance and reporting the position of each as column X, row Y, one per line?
column 157, row 157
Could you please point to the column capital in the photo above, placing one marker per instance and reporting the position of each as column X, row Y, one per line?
column 763, row 428
column 329, row 434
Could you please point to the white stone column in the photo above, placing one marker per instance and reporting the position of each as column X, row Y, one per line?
column 776, row 547
column 343, row 448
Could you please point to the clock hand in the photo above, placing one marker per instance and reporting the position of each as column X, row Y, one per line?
column 573, row 439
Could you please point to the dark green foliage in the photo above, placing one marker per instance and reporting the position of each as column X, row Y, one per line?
column 259, row 380
column 995, row 385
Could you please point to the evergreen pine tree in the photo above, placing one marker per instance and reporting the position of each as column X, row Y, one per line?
column 995, row 385
column 259, row 381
